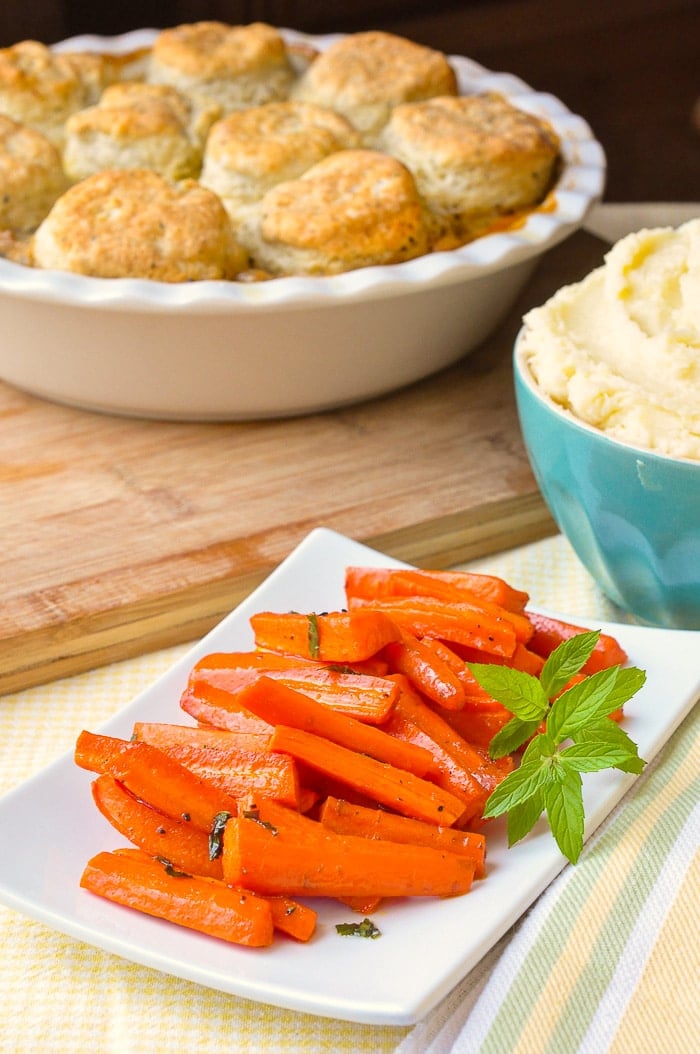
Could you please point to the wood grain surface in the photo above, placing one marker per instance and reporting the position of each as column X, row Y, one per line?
column 121, row 536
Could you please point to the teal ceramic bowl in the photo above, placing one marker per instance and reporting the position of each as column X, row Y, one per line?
column 631, row 516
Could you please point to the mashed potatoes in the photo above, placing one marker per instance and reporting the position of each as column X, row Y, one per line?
column 621, row 349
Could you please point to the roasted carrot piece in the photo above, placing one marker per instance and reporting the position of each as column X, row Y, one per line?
column 277, row 704
column 447, row 773
column 273, row 859
column 397, row 789
column 154, row 777
column 185, row 846
column 523, row 658
column 204, row 904
column 426, row 670
column 478, row 723
column 335, row 636
column 164, row 734
column 290, row 916
column 212, row 710
column 376, row 582
column 367, row 698
column 550, row 632
column 446, row 620
column 486, row 772
column 264, row 661
column 345, row 818
column 227, row 766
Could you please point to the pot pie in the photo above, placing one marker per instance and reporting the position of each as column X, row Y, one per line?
column 217, row 153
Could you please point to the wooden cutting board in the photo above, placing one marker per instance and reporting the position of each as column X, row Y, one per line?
column 123, row 536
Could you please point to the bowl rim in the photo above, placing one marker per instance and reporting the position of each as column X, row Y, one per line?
column 579, row 187
column 523, row 374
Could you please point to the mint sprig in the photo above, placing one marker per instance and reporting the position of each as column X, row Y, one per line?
column 568, row 732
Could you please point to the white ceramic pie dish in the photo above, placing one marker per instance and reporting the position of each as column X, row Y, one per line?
column 236, row 351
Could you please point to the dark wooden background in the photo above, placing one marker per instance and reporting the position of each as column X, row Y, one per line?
column 630, row 67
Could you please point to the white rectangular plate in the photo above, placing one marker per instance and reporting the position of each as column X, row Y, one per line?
column 426, row 946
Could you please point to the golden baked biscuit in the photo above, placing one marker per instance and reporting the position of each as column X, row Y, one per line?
column 136, row 125
column 353, row 209
column 364, row 75
column 42, row 88
column 234, row 66
column 135, row 224
column 250, row 151
column 31, row 176
column 476, row 159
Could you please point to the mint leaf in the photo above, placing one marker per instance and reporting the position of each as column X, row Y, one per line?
column 512, row 736
column 629, row 680
column 566, row 661
column 607, row 738
column 582, row 703
column 519, row 692
column 516, row 788
column 523, row 817
column 563, row 801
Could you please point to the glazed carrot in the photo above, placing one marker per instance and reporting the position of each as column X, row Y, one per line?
column 272, row 660
column 449, row 621
column 487, row 773
column 395, row 788
column 426, row 670
column 336, row 636
column 277, row 704
column 478, row 723
column 273, row 859
column 377, row 582
column 523, row 658
column 550, row 632
column 232, row 768
column 164, row 734
column 367, row 698
column 345, row 818
column 447, row 773
column 213, row 713
column 185, row 846
column 154, row 777
column 290, row 916
column 203, row 904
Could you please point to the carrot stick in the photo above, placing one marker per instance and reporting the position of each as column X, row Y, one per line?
column 227, row 766
column 290, row 916
column 399, row 790
column 550, row 632
column 449, row 621
column 163, row 734
column 487, row 773
column 367, row 698
column 337, row 636
column 478, row 723
column 212, row 711
column 447, row 773
column 272, row 859
column 376, row 582
column 215, row 908
column 523, row 658
column 277, row 704
column 427, row 671
column 155, row 778
column 345, row 818
column 185, row 846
